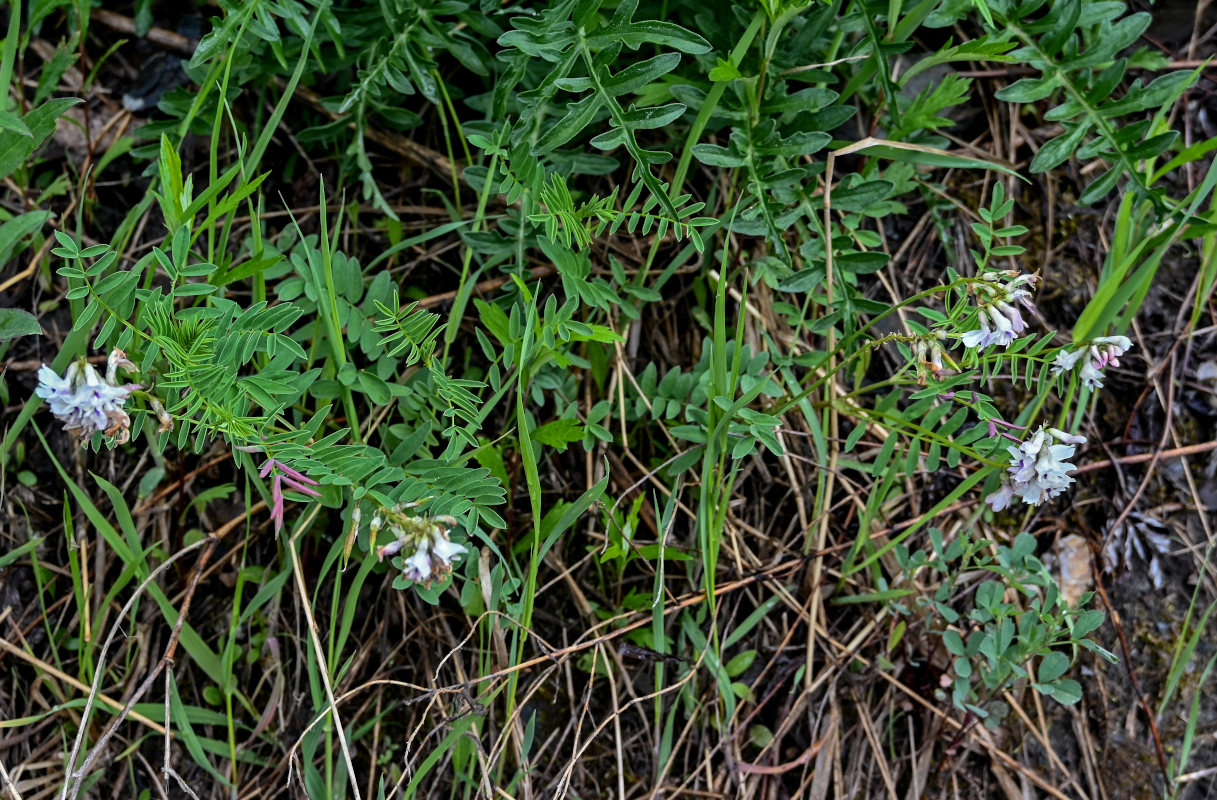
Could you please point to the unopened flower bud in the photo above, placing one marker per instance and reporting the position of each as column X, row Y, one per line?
column 163, row 416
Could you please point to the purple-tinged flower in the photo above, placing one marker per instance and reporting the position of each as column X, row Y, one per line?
column 283, row 475
column 1065, row 360
column 391, row 549
column 430, row 553
column 1039, row 468
column 996, row 294
column 1101, row 352
column 58, row 392
column 1091, row 376
column 418, row 566
column 1017, row 324
column 85, row 402
column 1003, row 329
column 980, row 338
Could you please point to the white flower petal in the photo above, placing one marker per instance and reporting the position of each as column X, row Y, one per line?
column 446, row 551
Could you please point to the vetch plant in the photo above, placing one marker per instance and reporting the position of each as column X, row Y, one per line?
column 717, row 340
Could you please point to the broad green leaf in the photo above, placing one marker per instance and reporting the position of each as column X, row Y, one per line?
column 1052, row 666
column 1066, row 691
column 14, row 322
column 11, row 122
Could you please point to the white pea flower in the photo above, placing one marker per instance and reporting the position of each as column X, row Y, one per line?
column 1101, row 352
column 1003, row 332
column 1002, row 497
column 1039, row 468
column 980, row 338
column 86, row 402
column 446, row 551
column 1067, row 438
column 1065, row 360
column 1091, row 375
column 428, row 552
column 418, row 566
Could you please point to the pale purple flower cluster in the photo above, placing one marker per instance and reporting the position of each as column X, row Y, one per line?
column 432, row 553
column 997, row 296
column 88, row 403
column 1039, row 468
column 1095, row 356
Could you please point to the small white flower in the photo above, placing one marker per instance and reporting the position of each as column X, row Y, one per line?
column 1066, row 361
column 1002, row 497
column 1039, row 468
column 418, row 566
column 981, row 338
column 117, row 359
column 445, row 551
column 1091, row 376
column 1067, row 438
column 57, row 391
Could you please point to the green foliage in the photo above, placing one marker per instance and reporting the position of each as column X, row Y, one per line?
column 1076, row 46
column 681, row 274
column 1002, row 638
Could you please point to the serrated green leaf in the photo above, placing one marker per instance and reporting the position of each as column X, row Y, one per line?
column 1056, row 151
column 578, row 116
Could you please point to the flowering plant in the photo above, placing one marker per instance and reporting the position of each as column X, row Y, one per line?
column 431, row 553
column 1038, row 468
column 88, row 403
column 1099, row 353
